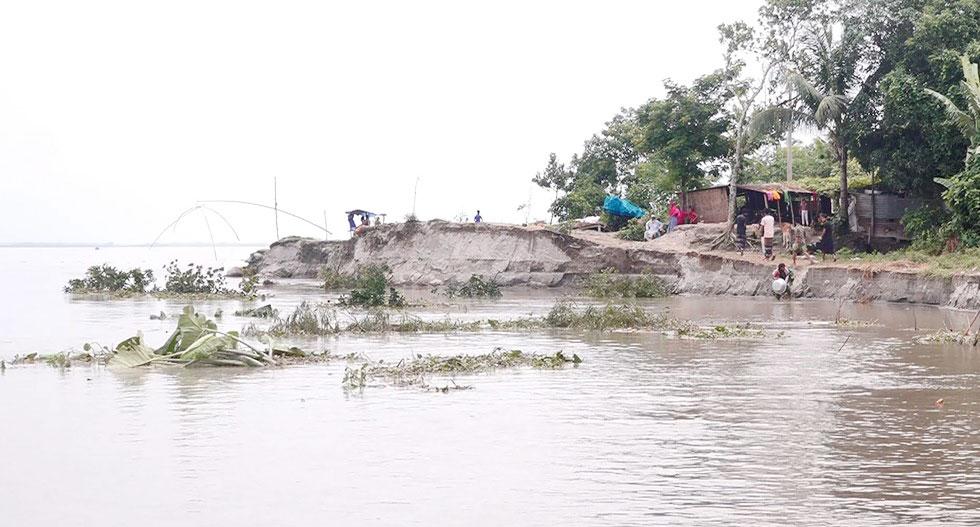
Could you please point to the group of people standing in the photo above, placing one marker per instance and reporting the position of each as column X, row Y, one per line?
column 797, row 234
column 675, row 216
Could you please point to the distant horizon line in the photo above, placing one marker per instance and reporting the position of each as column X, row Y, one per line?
column 113, row 244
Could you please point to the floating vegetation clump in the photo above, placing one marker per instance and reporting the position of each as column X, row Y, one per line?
column 90, row 354
column 107, row 279
column 478, row 286
column 381, row 321
column 413, row 372
column 847, row 323
column 946, row 336
column 609, row 284
column 600, row 318
column 372, row 288
column 266, row 311
column 719, row 332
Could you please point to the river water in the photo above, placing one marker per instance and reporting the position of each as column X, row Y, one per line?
column 824, row 425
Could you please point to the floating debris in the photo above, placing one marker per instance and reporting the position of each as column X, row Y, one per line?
column 843, row 322
column 266, row 311
column 413, row 372
column 946, row 336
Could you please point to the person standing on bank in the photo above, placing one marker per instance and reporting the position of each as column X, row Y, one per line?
column 740, row 235
column 826, row 244
column 768, row 224
column 478, row 218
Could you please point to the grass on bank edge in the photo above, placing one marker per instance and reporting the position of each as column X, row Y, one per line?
column 963, row 261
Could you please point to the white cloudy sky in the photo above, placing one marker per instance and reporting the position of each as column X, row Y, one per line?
column 117, row 115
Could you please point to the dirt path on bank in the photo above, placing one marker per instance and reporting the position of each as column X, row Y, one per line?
column 698, row 238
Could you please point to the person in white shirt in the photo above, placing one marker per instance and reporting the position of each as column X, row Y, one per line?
column 768, row 224
column 653, row 228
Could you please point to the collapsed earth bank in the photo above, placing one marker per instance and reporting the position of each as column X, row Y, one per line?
column 435, row 252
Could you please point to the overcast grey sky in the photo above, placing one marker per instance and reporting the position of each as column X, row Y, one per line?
column 117, row 115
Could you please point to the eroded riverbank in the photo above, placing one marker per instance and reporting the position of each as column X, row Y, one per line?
column 434, row 253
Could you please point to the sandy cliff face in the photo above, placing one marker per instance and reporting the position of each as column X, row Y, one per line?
column 435, row 252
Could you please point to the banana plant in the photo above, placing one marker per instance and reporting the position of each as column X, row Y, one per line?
column 968, row 120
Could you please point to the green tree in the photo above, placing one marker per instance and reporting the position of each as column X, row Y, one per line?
column 687, row 130
column 899, row 130
column 831, row 62
column 555, row 178
column 607, row 162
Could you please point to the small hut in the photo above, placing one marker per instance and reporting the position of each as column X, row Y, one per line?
column 884, row 211
column 782, row 199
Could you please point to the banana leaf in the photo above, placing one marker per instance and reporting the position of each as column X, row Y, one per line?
column 190, row 327
column 205, row 346
column 196, row 342
column 133, row 352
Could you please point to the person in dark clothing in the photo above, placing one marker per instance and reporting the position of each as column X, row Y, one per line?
column 478, row 218
column 826, row 244
column 740, row 235
column 350, row 222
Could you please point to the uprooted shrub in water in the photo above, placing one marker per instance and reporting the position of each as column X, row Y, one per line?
column 107, row 279
column 413, row 372
column 608, row 284
column 307, row 319
column 372, row 288
column 478, row 286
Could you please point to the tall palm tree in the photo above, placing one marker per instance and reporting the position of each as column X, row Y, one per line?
column 820, row 98
column 968, row 121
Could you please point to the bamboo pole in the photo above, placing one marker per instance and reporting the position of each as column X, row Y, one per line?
column 275, row 203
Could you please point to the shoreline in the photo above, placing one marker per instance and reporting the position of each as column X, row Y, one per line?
column 433, row 253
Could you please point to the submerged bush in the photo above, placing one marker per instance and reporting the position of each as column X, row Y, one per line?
column 334, row 279
column 477, row 286
column 610, row 316
column 306, row 319
column 380, row 321
column 249, row 285
column 372, row 287
column 195, row 279
column 608, row 284
column 107, row 279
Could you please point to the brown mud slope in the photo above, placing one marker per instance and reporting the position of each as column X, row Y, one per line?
column 435, row 252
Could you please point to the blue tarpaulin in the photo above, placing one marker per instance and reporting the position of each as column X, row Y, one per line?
column 622, row 207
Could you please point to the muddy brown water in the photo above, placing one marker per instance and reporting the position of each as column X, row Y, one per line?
column 648, row 430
